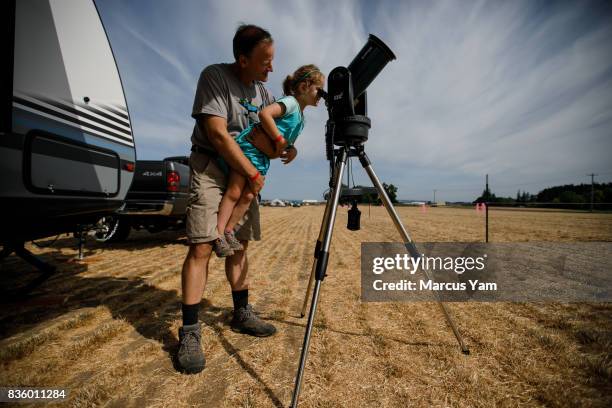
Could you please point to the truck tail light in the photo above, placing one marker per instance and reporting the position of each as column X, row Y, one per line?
column 173, row 181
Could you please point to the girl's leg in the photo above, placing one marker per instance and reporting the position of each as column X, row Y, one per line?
column 241, row 208
column 233, row 193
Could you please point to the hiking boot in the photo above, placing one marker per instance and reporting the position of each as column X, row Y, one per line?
column 233, row 241
column 222, row 248
column 190, row 356
column 245, row 321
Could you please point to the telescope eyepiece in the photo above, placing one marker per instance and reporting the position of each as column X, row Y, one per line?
column 322, row 94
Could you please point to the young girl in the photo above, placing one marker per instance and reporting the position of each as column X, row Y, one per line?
column 281, row 123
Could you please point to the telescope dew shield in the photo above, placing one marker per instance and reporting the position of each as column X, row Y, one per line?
column 368, row 63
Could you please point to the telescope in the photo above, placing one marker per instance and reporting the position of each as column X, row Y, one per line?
column 346, row 100
column 347, row 128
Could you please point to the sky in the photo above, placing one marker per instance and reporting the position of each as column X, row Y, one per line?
column 518, row 90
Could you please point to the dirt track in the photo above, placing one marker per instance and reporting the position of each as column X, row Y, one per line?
column 105, row 328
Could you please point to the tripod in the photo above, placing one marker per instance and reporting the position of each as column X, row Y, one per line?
column 319, row 266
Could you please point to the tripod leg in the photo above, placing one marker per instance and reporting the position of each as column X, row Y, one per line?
column 321, row 266
column 310, row 281
column 410, row 246
column 316, row 253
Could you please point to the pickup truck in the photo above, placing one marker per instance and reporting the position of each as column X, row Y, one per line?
column 156, row 201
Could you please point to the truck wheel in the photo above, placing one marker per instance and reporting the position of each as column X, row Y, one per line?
column 112, row 228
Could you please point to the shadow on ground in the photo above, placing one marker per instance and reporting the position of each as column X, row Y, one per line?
column 150, row 310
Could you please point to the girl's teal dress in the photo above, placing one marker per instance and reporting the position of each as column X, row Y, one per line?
column 290, row 125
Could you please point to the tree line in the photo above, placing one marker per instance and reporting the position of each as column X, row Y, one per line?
column 565, row 196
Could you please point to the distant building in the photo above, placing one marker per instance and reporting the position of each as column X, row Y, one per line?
column 310, row 202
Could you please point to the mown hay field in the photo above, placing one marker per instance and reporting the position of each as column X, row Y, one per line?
column 105, row 328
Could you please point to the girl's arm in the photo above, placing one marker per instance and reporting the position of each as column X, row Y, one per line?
column 266, row 117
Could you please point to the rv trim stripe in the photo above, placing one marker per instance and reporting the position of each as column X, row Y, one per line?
column 77, row 110
column 100, row 112
column 70, row 118
column 71, row 123
column 53, row 114
column 116, row 111
column 69, row 112
column 103, row 108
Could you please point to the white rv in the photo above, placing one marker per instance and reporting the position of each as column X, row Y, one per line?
column 66, row 144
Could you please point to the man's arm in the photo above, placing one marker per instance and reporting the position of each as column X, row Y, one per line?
column 266, row 117
column 216, row 129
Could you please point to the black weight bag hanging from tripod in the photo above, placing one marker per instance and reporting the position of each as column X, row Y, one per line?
column 346, row 133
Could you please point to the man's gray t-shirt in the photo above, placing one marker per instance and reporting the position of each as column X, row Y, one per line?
column 220, row 93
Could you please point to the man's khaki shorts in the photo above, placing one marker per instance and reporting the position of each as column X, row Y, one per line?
column 206, row 187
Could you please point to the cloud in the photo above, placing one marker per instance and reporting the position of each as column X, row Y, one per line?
column 518, row 90
column 496, row 91
column 164, row 54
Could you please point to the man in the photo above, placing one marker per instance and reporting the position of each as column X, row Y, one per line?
column 227, row 100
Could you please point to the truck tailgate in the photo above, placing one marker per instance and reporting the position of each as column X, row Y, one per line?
column 149, row 180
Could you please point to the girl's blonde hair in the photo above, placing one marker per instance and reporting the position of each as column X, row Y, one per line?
column 309, row 74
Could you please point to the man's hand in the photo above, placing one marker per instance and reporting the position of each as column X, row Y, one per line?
column 288, row 155
column 257, row 184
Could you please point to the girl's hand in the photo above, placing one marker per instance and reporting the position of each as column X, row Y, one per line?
column 288, row 155
column 281, row 144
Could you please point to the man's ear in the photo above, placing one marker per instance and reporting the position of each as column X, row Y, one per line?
column 302, row 87
column 242, row 61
